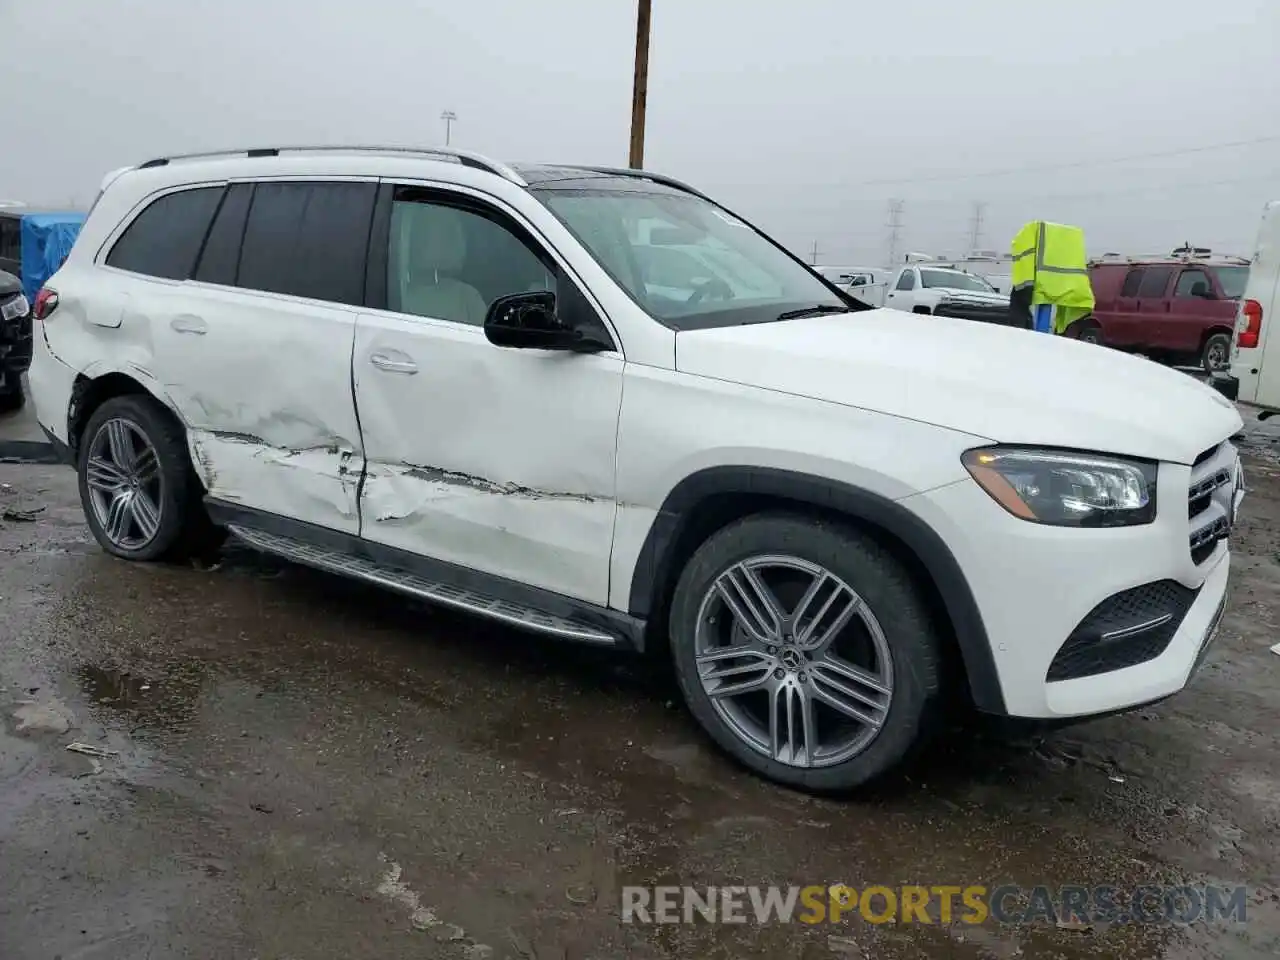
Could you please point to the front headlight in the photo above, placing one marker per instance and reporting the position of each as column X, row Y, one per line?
column 1066, row 489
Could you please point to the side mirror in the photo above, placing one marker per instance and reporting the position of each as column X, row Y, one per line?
column 528, row 321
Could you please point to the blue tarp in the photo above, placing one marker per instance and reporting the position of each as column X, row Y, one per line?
column 47, row 238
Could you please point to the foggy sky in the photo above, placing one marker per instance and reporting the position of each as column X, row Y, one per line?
column 795, row 114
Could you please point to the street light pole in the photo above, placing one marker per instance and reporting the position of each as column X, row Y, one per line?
column 640, row 89
column 448, row 117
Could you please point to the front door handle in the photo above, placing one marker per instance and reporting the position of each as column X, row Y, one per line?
column 186, row 323
column 392, row 365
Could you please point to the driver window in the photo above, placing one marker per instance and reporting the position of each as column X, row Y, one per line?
column 907, row 281
column 450, row 263
column 1192, row 283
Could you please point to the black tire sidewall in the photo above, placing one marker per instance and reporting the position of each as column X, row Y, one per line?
column 166, row 436
column 1225, row 339
column 884, row 585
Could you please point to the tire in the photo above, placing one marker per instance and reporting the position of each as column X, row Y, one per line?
column 12, row 399
column 178, row 524
column 1089, row 332
column 895, row 604
column 1218, row 345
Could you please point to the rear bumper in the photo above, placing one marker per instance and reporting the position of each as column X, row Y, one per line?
column 60, row 449
column 1226, row 385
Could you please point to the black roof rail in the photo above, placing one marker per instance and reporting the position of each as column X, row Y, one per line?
column 466, row 158
column 640, row 175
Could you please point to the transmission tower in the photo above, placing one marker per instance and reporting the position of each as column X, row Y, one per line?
column 893, row 227
column 975, row 226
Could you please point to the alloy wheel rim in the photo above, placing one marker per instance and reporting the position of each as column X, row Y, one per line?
column 126, row 487
column 1217, row 356
column 793, row 661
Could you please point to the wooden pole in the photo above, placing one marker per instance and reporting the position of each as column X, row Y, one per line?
column 640, row 89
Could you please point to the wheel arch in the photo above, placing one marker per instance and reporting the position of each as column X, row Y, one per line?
column 90, row 392
column 710, row 499
column 1213, row 331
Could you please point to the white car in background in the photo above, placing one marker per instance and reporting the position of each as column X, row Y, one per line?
column 945, row 292
column 481, row 385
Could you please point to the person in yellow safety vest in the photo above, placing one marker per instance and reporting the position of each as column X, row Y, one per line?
column 1049, row 267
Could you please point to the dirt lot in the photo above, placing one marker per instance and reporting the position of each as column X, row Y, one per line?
column 308, row 769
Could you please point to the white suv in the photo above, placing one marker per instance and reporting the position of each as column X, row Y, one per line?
column 451, row 376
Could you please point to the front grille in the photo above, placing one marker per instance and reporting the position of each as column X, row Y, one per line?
column 982, row 312
column 1129, row 628
column 1209, row 500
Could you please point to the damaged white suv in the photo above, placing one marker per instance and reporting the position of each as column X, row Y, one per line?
column 460, row 379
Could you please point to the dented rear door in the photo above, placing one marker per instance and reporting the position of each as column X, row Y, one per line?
column 256, row 348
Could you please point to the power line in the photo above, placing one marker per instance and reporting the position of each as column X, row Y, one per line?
column 1038, row 168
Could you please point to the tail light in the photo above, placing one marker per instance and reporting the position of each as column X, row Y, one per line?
column 46, row 303
column 1247, row 337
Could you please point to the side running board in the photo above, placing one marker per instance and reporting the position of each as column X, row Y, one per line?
column 334, row 561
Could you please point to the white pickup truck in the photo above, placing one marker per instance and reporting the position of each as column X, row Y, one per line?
column 945, row 291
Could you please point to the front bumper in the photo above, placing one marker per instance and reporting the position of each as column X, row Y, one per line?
column 15, row 344
column 1035, row 586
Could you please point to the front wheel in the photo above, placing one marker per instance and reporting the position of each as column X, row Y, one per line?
column 1216, row 355
column 806, row 651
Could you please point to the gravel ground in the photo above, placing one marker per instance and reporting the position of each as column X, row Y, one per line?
column 305, row 768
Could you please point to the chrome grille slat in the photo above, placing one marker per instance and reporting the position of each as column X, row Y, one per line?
column 1209, row 496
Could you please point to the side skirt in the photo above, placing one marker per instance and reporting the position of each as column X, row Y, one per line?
column 495, row 598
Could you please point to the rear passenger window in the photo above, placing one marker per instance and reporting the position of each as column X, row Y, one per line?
column 907, row 281
column 1131, row 282
column 221, row 253
column 308, row 240
column 165, row 238
column 1154, row 282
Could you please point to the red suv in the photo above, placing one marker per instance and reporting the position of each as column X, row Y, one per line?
column 1179, row 310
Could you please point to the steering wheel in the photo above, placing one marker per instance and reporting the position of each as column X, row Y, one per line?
column 714, row 288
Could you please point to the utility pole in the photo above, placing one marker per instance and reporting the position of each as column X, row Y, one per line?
column 813, row 253
column 449, row 117
column 894, row 228
column 975, row 226
column 640, row 88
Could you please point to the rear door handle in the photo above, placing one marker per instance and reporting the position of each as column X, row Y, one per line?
column 393, row 365
column 186, row 323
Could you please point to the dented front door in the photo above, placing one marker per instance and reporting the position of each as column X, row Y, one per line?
column 493, row 459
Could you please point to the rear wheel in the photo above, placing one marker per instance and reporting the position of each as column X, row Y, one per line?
column 1216, row 355
column 805, row 650
column 140, row 495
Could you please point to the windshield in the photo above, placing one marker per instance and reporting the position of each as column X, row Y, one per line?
column 685, row 261
column 1233, row 280
column 955, row 280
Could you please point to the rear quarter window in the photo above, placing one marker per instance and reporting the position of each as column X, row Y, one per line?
column 165, row 238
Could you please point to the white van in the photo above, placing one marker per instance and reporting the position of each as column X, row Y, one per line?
column 1255, row 360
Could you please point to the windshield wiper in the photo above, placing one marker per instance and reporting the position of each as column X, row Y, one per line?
column 816, row 310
